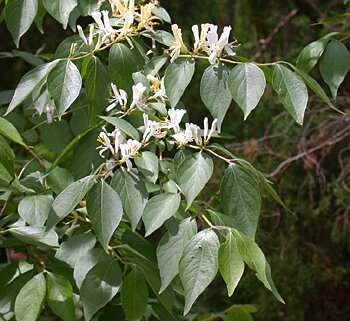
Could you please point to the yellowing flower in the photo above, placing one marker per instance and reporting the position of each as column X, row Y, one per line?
column 179, row 45
column 146, row 15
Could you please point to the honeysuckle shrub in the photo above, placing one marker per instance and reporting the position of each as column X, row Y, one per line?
column 106, row 183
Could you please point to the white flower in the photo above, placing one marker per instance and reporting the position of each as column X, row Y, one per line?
column 107, row 23
column 129, row 150
column 137, row 93
column 105, row 30
column 118, row 139
column 207, row 136
column 49, row 110
column 196, row 133
column 179, row 45
column 90, row 40
column 200, row 41
column 105, row 143
column 185, row 136
column 216, row 45
column 152, row 129
column 109, row 168
column 157, row 87
column 119, row 97
column 175, row 117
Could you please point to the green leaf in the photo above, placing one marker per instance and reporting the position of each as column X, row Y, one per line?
column 105, row 211
column 148, row 165
column 132, row 192
column 97, row 86
column 154, row 65
column 333, row 18
column 10, row 131
column 55, row 135
column 241, row 313
column 71, row 146
column 123, row 125
column 12, row 270
column 315, row 87
column 178, row 75
column 334, row 65
column 151, row 274
column 60, row 297
column 123, row 62
column 58, row 179
column 30, row 299
column 198, row 265
column 86, row 262
column 86, row 7
column 193, row 174
column 220, row 219
column 35, row 235
column 247, row 85
column 158, row 209
column 255, row 259
column 292, row 92
column 10, row 291
column 19, row 16
column 28, row 57
column 64, row 84
column 85, row 158
column 231, row 264
column 34, row 209
column 310, row 55
column 68, row 199
column 170, row 249
column 7, row 158
column 60, row 9
column 72, row 250
column 134, row 295
column 215, row 92
column 161, row 36
column 101, row 284
column 265, row 182
column 240, row 199
column 162, row 14
column 39, row 18
column 29, row 82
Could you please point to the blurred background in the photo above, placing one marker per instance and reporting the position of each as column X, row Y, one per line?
column 309, row 251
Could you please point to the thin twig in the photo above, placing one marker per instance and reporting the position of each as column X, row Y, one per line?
column 217, row 315
column 266, row 41
column 336, row 139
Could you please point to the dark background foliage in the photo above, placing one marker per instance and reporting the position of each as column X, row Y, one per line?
column 309, row 250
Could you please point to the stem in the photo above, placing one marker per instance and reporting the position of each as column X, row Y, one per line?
column 219, row 314
column 227, row 160
column 214, row 227
column 228, row 60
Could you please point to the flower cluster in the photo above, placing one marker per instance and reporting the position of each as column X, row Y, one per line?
column 139, row 101
column 126, row 19
column 207, row 40
column 123, row 150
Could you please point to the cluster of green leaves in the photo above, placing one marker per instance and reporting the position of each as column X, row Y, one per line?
column 145, row 243
column 21, row 14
